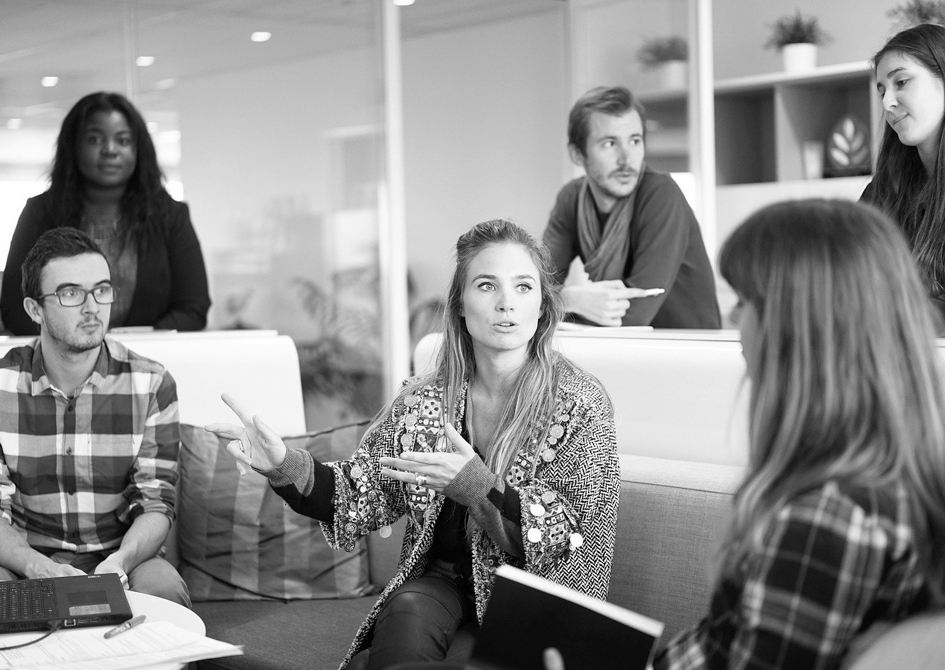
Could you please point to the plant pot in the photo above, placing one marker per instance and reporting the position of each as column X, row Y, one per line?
column 799, row 57
column 674, row 74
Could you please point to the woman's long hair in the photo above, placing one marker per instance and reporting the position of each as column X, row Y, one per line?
column 143, row 204
column 901, row 186
column 533, row 398
column 846, row 383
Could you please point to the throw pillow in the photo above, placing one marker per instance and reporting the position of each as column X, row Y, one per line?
column 240, row 541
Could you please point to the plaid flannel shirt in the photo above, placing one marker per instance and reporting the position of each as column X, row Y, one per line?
column 834, row 561
column 75, row 472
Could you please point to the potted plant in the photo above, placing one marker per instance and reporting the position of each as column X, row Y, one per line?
column 669, row 57
column 914, row 12
column 797, row 37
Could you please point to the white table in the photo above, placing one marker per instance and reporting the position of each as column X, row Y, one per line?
column 159, row 609
column 154, row 608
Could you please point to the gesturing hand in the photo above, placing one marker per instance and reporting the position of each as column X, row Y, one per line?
column 48, row 568
column 602, row 302
column 255, row 443
column 434, row 470
column 552, row 659
column 112, row 564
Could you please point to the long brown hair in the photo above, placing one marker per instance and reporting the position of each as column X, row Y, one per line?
column 846, row 383
column 533, row 398
column 901, row 186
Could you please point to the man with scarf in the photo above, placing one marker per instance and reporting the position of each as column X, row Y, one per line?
column 629, row 224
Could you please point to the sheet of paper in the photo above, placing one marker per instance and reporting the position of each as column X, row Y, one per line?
column 87, row 649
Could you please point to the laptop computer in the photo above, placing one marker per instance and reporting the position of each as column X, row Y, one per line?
column 69, row 602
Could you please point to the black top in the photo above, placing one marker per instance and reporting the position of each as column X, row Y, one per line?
column 171, row 291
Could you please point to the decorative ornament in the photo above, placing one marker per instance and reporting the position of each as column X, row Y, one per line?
column 848, row 148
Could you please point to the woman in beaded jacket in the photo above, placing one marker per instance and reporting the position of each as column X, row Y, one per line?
column 505, row 454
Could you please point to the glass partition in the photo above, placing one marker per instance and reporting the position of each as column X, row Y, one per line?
column 660, row 50
column 268, row 120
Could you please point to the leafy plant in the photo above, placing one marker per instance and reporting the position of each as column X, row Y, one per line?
column 658, row 50
column 914, row 12
column 797, row 29
column 342, row 359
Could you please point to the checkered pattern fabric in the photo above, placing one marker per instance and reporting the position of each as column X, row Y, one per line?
column 75, row 472
column 834, row 561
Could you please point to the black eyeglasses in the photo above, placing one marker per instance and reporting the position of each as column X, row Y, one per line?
column 75, row 296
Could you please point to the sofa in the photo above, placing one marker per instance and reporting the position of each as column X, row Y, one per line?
column 671, row 513
column 263, row 577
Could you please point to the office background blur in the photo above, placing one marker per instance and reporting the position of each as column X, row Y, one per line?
column 278, row 144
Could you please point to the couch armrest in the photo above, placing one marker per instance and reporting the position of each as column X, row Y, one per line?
column 917, row 643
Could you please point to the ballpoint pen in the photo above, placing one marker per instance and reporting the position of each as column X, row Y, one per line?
column 131, row 623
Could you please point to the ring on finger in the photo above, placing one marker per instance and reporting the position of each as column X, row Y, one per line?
column 421, row 480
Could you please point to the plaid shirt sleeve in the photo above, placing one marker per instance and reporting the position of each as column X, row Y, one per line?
column 800, row 603
column 153, row 477
column 7, row 489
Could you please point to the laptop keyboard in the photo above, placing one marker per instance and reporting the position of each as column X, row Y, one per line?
column 27, row 600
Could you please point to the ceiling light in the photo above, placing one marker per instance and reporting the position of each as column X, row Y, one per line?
column 49, row 82
column 403, row 3
column 260, row 36
column 14, row 124
column 144, row 61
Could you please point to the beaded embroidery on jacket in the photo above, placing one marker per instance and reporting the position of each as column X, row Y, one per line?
column 568, row 484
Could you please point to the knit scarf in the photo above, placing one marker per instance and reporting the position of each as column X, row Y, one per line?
column 605, row 251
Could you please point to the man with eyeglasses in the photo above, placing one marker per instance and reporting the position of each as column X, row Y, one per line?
column 89, row 434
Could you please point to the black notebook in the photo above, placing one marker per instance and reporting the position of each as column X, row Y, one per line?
column 84, row 600
column 526, row 614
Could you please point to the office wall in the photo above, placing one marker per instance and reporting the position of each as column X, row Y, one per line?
column 484, row 112
column 485, row 121
column 264, row 181
column 741, row 28
column 485, row 134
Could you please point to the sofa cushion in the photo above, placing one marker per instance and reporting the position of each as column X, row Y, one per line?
column 301, row 635
column 240, row 541
column 673, row 515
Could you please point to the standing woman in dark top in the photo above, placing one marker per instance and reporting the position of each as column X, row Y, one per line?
column 105, row 180
column 909, row 184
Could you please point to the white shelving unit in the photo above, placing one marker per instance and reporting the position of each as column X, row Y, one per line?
column 761, row 125
column 762, row 121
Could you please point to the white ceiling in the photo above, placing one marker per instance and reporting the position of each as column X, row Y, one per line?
column 85, row 44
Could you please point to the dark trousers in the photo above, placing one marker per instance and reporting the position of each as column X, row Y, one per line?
column 419, row 621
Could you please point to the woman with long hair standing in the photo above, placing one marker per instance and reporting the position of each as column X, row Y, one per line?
column 505, row 453
column 105, row 180
column 909, row 184
column 840, row 522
